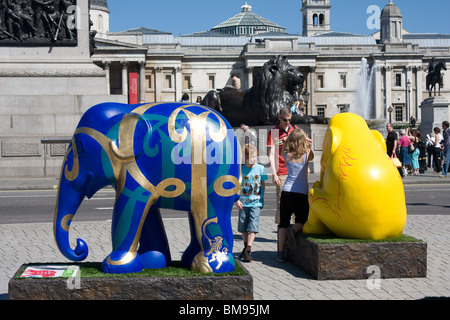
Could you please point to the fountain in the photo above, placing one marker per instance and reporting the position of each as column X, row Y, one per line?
column 366, row 108
column 365, row 93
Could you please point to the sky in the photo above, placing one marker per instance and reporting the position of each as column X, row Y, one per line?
column 181, row 17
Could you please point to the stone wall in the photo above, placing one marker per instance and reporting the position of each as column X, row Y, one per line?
column 45, row 90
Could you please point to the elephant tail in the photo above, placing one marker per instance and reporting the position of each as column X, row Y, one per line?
column 61, row 233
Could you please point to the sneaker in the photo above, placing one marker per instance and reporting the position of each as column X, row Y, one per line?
column 241, row 255
column 442, row 176
column 248, row 256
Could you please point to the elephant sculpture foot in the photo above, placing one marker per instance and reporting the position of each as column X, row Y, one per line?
column 122, row 262
column 137, row 262
column 200, row 263
column 220, row 261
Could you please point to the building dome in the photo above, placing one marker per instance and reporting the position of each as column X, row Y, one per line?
column 247, row 23
column 99, row 5
column 391, row 10
column 99, row 14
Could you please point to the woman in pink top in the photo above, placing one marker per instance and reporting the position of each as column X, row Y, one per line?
column 404, row 151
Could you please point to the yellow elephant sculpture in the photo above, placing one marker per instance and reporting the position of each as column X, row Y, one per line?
column 360, row 194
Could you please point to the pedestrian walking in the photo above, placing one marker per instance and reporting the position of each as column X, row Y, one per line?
column 415, row 137
column 437, row 155
column 404, row 152
column 446, row 151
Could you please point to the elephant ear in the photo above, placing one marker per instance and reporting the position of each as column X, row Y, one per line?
column 132, row 131
column 380, row 139
column 331, row 142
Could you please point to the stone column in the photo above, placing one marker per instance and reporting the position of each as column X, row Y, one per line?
column 380, row 112
column 388, row 88
column 158, row 84
column 249, row 77
column 312, row 93
column 106, row 65
column 419, row 91
column 124, row 65
column 178, row 84
column 141, row 81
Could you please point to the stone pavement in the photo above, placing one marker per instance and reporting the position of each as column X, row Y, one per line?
column 25, row 243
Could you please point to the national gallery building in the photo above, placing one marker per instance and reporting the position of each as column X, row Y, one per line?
column 56, row 63
column 167, row 66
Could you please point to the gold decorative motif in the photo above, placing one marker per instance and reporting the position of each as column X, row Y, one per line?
column 126, row 135
column 127, row 258
column 65, row 222
column 72, row 174
column 200, row 263
column 221, row 191
column 215, row 246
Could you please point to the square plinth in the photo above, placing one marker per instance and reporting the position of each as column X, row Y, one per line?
column 357, row 260
column 198, row 287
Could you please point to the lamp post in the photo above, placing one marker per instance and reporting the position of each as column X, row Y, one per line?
column 408, row 91
column 305, row 96
column 390, row 109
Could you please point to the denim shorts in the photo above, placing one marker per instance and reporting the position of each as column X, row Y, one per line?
column 249, row 219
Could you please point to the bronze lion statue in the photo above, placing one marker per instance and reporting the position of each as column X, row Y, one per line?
column 273, row 87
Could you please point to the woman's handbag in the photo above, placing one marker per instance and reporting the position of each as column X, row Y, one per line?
column 411, row 147
column 396, row 162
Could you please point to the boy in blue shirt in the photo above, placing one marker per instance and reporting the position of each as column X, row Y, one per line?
column 251, row 201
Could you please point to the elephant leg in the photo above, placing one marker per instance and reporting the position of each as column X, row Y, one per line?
column 129, row 215
column 218, row 233
column 154, row 247
column 194, row 247
column 215, row 242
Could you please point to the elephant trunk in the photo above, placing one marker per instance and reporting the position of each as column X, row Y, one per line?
column 67, row 203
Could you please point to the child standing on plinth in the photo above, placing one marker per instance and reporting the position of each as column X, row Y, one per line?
column 294, row 196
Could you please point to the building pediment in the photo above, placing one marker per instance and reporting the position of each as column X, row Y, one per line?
column 103, row 44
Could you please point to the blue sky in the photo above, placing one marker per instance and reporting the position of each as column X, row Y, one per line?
column 188, row 16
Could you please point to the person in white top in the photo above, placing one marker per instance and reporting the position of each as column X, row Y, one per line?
column 294, row 196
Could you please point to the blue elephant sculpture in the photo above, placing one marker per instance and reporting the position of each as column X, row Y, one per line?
column 178, row 156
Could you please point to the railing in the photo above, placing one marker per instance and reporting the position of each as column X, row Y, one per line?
column 46, row 142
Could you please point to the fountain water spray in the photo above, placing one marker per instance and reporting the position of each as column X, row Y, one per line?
column 365, row 101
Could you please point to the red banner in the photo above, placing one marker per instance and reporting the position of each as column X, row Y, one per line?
column 133, row 92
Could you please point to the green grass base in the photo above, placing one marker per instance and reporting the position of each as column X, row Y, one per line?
column 332, row 239
column 92, row 270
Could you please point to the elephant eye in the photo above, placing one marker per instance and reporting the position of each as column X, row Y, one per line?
column 81, row 150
